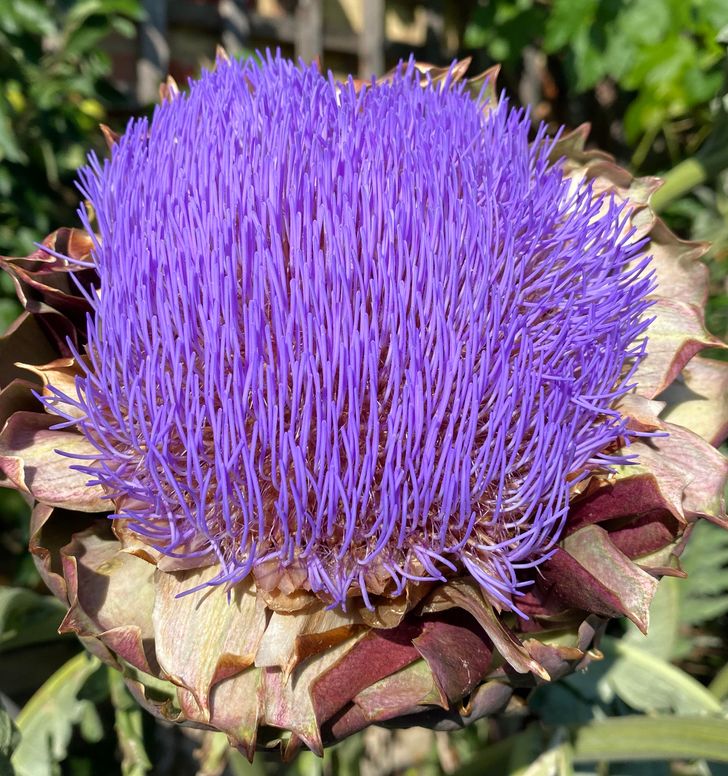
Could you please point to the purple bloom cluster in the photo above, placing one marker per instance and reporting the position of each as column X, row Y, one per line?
column 364, row 334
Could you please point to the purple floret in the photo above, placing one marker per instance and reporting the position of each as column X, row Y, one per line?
column 366, row 334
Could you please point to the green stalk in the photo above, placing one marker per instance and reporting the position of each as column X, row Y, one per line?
column 679, row 181
column 620, row 739
column 719, row 685
column 614, row 739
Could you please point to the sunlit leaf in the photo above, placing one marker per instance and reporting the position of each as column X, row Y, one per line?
column 47, row 720
column 128, row 726
column 27, row 617
column 9, row 738
column 647, row 683
column 652, row 738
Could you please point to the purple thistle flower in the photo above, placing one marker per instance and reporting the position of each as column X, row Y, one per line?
column 363, row 334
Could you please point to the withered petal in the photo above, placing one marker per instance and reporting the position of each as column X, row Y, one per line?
column 698, row 399
column 677, row 333
column 203, row 637
column 466, row 595
column 457, row 652
column 236, row 708
column 288, row 701
column 292, row 638
column 17, row 396
column 688, row 471
column 111, row 596
column 25, row 341
column 28, row 457
column 588, row 572
column 401, row 693
column 376, row 655
column 633, row 495
column 61, row 373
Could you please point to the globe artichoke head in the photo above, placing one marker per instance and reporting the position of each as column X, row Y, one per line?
column 351, row 403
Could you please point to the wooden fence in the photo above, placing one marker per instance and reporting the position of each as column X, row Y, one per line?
column 364, row 36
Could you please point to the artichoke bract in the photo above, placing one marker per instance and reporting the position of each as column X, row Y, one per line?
column 356, row 403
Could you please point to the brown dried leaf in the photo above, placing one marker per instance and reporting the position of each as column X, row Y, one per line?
column 674, row 337
column 698, row 399
column 61, row 374
column 204, row 637
column 111, row 596
column 466, row 595
column 25, row 341
column 589, row 573
column 28, row 457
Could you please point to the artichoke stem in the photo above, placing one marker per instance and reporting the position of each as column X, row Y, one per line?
column 679, row 181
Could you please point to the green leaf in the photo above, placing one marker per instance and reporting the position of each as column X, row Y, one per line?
column 620, row 739
column 704, row 594
column 647, row 683
column 9, row 311
column 589, row 60
column 239, row 766
column 719, row 685
column 505, row 28
column 123, row 27
column 9, row 737
column 128, row 726
column 557, row 760
column 625, row 739
column 9, row 148
column 29, row 16
column 560, row 703
column 84, row 39
column 212, row 754
column 567, row 19
column 27, row 617
column 81, row 11
column 645, row 22
column 47, row 720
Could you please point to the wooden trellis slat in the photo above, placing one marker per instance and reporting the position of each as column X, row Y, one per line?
column 153, row 54
column 282, row 29
column 309, row 29
column 235, row 22
column 237, row 25
column 371, row 40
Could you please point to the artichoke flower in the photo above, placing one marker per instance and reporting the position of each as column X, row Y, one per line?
column 356, row 403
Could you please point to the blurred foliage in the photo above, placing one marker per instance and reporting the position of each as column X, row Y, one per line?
column 664, row 58
column 649, row 75
column 9, row 738
column 54, row 91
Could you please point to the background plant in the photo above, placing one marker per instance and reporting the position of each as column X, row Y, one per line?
column 650, row 75
column 54, row 91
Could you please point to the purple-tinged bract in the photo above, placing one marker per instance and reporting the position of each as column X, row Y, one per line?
column 371, row 335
